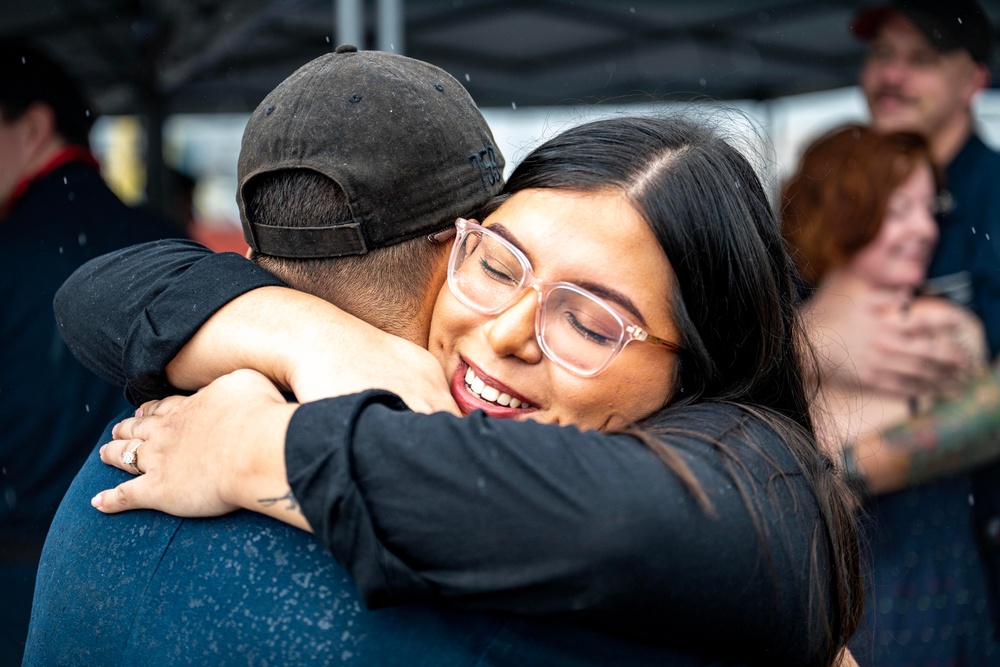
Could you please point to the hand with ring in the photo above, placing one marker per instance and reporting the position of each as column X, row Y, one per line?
column 130, row 457
column 195, row 449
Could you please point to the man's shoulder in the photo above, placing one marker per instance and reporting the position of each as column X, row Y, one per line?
column 94, row 571
column 74, row 202
column 977, row 161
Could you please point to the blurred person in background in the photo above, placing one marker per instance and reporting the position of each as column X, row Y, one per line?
column 56, row 212
column 858, row 215
column 926, row 63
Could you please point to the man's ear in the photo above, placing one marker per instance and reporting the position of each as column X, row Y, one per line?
column 982, row 76
column 39, row 125
column 978, row 79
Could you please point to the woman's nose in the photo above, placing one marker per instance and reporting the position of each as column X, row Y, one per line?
column 512, row 332
column 927, row 227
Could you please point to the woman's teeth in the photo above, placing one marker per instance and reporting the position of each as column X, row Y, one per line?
column 491, row 394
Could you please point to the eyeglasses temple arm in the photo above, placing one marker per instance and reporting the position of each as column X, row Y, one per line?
column 636, row 333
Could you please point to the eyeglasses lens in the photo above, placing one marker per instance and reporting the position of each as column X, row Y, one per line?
column 486, row 273
column 581, row 332
column 573, row 328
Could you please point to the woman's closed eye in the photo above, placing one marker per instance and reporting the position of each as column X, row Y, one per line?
column 588, row 327
column 497, row 270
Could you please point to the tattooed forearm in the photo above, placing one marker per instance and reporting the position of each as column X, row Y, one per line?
column 292, row 506
column 954, row 437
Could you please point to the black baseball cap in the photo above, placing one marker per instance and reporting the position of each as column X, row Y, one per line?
column 948, row 24
column 401, row 137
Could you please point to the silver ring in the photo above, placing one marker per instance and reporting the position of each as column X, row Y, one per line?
column 129, row 458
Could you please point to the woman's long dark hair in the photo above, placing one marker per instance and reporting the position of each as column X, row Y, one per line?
column 737, row 309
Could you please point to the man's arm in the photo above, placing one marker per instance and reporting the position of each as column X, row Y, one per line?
column 955, row 436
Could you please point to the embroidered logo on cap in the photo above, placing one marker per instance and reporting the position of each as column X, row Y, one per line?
column 489, row 171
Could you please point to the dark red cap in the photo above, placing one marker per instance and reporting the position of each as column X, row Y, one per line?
column 948, row 24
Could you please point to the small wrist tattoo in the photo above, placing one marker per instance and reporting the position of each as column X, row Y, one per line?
column 289, row 497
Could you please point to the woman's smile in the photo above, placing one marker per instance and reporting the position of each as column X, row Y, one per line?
column 473, row 390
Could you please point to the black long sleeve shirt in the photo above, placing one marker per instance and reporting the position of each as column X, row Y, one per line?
column 498, row 515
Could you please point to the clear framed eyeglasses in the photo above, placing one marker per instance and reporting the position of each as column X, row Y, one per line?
column 575, row 328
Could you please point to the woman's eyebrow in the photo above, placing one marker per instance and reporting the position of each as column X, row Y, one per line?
column 506, row 234
column 613, row 295
column 606, row 293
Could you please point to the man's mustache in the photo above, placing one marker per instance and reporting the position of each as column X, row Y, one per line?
column 891, row 91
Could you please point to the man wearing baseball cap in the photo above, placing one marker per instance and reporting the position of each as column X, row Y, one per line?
column 935, row 546
column 345, row 171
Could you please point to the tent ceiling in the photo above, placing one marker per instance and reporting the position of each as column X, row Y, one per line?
column 225, row 55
